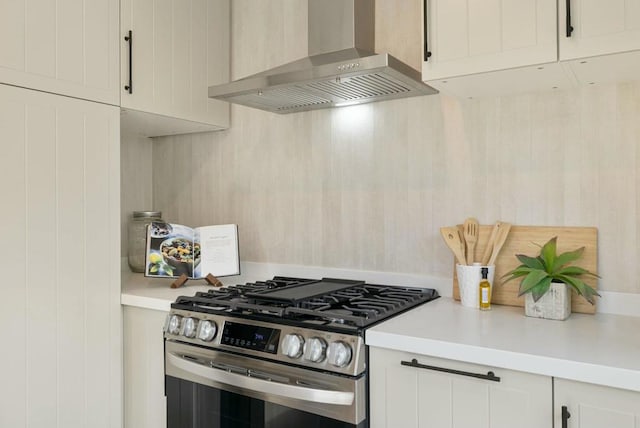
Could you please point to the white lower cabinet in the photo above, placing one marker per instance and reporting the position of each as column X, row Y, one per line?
column 408, row 391
column 583, row 405
column 144, row 401
column 61, row 365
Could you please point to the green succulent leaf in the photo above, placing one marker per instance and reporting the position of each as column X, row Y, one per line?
column 541, row 288
column 532, row 280
column 573, row 271
column 548, row 253
column 581, row 288
column 518, row 272
column 532, row 262
column 568, row 257
column 590, row 294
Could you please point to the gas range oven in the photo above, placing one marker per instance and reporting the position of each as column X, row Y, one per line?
column 286, row 352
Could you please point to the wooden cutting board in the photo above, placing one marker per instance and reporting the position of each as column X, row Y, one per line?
column 521, row 240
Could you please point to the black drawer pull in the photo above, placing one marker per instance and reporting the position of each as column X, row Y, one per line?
column 489, row 376
column 565, row 417
column 568, row 19
column 427, row 52
column 129, row 38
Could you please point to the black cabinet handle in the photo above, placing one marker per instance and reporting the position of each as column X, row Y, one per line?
column 427, row 53
column 489, row 376
column 565, row 417
column 129, row 38
column 568, row 17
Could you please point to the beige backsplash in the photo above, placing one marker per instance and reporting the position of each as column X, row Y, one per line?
column 367, row 187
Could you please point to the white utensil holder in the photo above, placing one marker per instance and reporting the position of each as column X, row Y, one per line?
column 468, row 282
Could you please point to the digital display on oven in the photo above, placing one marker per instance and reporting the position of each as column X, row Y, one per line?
column 245, row 336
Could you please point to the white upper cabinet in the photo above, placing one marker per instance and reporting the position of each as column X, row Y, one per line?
column 467, row 37
column 492, row 47
column 67, row 47
column 604, row 42
column 599, row 27
column 177, row 49
column 510, row 46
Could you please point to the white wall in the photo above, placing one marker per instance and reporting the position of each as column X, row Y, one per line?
column 368, row 187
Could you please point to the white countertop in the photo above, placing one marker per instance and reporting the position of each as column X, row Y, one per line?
column 602, row 349
column 157, row 294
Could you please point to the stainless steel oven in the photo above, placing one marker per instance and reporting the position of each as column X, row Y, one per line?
column 261, row 356
column 208, row 388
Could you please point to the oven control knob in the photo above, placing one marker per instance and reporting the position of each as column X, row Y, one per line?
column 339, row 354
column 173, row 324
column 315, row 350
column 188, row 327
column 292, row 345
column 206, row 330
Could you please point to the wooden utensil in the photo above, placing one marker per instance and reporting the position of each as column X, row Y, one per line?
column 501, row 237
column 463, row 246
column 488, row 249
column 471, row 230
column 452, row 239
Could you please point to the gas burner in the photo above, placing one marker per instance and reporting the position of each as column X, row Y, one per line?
column 340, row 315
column 333, row 303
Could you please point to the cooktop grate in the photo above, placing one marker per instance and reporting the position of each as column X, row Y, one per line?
column 300, row 300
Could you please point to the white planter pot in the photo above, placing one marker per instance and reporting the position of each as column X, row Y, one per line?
column 554, row 305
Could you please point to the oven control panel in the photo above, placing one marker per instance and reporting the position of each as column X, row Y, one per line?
column 336, row 352
column 254, row 337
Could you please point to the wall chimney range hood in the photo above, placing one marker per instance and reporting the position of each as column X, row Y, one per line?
column 341, row 69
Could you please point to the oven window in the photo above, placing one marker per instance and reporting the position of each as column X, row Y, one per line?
column 192, row 405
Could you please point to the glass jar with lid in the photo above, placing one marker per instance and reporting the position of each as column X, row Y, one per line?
column 137, row 239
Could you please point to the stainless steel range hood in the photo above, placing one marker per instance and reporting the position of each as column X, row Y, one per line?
column 341, row 69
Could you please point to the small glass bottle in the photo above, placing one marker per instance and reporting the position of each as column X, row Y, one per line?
column 484, row 291
column 137, row 239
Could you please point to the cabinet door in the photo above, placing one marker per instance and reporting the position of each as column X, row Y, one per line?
column 178, row 49
column 599, row 27
column 593, row 406
column 604, row 45
column 66, row 47
column 144, row 400
column 406, row 396
column 467, row 37
column 60, row 225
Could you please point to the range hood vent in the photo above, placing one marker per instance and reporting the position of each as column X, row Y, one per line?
column 341, row 69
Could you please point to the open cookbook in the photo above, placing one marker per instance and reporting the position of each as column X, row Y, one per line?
column 174, row 250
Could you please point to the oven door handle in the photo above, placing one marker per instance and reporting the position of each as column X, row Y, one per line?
column 315, row 395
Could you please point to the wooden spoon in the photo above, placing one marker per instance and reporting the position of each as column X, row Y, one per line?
column 452, row 239
column 471, row 231
column 501, row 237
column 489, row 248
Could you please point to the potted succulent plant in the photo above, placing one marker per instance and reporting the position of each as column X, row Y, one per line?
column 546, row 280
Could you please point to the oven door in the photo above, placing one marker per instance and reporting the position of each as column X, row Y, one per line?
column 213, row 389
